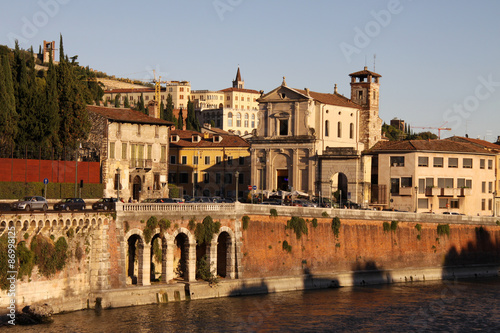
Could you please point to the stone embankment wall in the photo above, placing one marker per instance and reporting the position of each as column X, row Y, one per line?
column 255, row 259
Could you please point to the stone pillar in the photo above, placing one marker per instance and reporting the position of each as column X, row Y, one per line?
column 144, row 274
column 295, row 168
column 269, row 167
column 231, row 259
column 168, row 266
column 212, row 256
column 191, row 262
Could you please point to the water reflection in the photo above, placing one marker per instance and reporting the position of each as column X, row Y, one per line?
column 420, row 306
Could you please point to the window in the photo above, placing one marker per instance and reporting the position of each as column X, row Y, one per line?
column 283, row 126
column 452, row 162
column 172, row 178
column 429, row 182
column 490, row 164
column 443, row 203
column 423, row 203
column 241, row 178
column 423, row 161
column 238, row 119
column 445, row 182
column 241, row 160
column 218, row 159
column 116, row 181
column 490, row 187
column 183, row 178
column 230, row 119
column 438, row 162
column 421, row 186
column 206, row 177
column 483, row 204
column 468, row 183
column 252, row 123
column 339, row 129
column 173, row 159
column 228, row 178
column 351, row 131
column 454, row 203
column 467, row 163
column 461, row 182
column 490, row 202
column 246, row 120
column 395, row 186
column 163, row 154
column 406, row 182
column 112, row 150
column 217, row 178
column 150, row 152
column 124, row 151
column 156, row 181
column 207, row 160
column 229, row 160
column 481, row 163
column 195, row 160
column 184, row 159
column 483, row 187
column 397, row 161
column 327, row 127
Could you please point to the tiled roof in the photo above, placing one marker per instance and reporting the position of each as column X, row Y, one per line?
column 241, row 90
column 477, row 142
column 332, row 99
column 426, row 145
column 126, row 115
column 365, row 73
column 227, row 140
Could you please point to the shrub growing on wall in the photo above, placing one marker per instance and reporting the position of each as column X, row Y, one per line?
column 443, row 229
column 299, row 226
column 26, row 259
column 205, row 231
column 336, row 226
column 273, row 212
column 245, row 220
column 287, row 247
column 49, row 257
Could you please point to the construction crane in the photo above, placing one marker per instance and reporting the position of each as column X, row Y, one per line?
column 157, row 84
column 440, row 128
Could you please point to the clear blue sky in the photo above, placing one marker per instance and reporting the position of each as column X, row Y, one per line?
column 439, row 60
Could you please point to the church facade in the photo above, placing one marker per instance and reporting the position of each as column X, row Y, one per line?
column 312, row 142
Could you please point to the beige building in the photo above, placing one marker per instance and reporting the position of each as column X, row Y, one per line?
column 439, row 176
column 233, row 109
column 312, row 142
column 133, row 149
column 180, row 92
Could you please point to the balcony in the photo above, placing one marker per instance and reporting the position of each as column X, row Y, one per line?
column 450, row 192
column 465, row 191
column 432, row 191
column 406, row 190
column 141, row 163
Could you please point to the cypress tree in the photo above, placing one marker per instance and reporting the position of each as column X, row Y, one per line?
column 126, row 103
column 169, row 110
column 162, row 111
column 23, row 98
column 8, row 115
column 180, row 121
column 117, row 100
column 191, row 121
column 52, row 118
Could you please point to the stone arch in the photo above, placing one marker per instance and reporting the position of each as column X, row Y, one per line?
column 158, row 265
column 183, row 255
column 225, row 256
column 134, row 263
column 339, row 182
column 282, row 171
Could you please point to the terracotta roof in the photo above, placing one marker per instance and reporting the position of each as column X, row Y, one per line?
column 477, row 142
column 241, row 90
column 332, row 99
column 426, row 145
column 126, row 115
column 227, row 140
column 365, row 72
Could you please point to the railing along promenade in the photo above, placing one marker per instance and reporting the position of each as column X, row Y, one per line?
column 240, row 209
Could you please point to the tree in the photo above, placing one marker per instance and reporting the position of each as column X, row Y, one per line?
column 126, row 103
column 169, row 109
column 180, row 121
column 192, row 122
column 117, row 100
column 8, row 114
column 51, row 117
column 140, row 104
column 162, row 110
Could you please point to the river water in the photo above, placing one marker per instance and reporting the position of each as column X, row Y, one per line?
column 444, row 306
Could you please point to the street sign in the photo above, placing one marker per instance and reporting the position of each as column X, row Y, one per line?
column 45, row 181
column 249, row 187
column 254, row 187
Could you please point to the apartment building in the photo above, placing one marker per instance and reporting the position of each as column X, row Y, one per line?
column 438, row 176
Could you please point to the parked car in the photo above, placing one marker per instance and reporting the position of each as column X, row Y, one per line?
column 305, row 203
column 30, row 203
column 105, row 203
column 70, row 204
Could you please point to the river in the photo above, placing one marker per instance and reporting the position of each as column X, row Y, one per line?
column 445, row 306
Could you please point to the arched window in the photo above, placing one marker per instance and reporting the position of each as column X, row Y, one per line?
column 230, row 119
column 339, row 129
column 238, row 119
column 253, row 121
column 246, row 120
column 351, row 131
column 327, row 128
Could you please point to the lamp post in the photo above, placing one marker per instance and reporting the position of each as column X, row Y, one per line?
column 237, row 175
column 118, row 184
column 416, row 199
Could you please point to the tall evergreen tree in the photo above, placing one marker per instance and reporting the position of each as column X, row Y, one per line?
column 140, row 104
column 126, row 103
column 51, row 117
column 23, row 98
column 8, row 114
column 162, row 111
column 180, row 121
column 169, row 109
column 117, row 100
column 192, row 122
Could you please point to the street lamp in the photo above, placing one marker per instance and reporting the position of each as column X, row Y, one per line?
column 118, row 184
column 237, row 175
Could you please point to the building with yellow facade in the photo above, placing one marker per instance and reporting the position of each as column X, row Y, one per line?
column 209, row 164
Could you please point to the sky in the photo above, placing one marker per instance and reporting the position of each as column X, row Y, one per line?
column 439, row 60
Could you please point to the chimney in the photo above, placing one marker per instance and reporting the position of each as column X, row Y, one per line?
column 153, row 109
column 307, row 91
column 335, row 88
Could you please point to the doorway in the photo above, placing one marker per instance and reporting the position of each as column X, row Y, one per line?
column 282, row 181
column 136, row 188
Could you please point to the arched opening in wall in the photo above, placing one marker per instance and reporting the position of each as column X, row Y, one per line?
column 223, row 246
column 158, row 258
column 339, row 187
column 134, row 258
column 137, row 185
column 282, row 172
column 202, row 261
column 181, row 255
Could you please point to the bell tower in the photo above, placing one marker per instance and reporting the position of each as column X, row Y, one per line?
column 365, row 92
column 238, row 82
